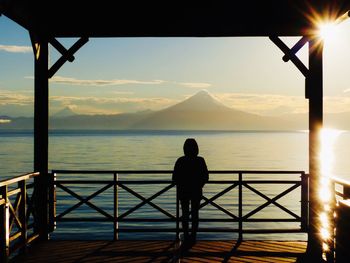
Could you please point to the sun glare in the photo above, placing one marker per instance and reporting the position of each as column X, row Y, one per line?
column 325, row 24
column 328, row 138
column 328, row 31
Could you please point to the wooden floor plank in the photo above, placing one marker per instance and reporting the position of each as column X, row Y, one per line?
column 163, row 251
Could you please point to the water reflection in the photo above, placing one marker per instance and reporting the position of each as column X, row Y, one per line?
column 328, row 138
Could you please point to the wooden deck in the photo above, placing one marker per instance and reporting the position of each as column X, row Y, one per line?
column 164, row 251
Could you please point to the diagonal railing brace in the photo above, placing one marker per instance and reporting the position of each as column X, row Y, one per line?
column 85, row 200
column 211, row 201
column 270, row 201
column 146, row 201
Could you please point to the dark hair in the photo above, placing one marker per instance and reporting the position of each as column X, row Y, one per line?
column 191, row 147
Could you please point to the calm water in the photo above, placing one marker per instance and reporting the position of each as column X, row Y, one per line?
column 158, row 150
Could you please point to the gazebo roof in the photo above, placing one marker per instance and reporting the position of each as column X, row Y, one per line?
column 108, row 18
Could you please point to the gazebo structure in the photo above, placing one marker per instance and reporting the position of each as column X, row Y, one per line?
column 48, row 20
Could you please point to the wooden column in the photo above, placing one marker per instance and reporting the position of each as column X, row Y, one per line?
column 314, row 89
column 41, row 117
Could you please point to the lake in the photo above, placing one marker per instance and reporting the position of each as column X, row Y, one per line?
column 158, row 150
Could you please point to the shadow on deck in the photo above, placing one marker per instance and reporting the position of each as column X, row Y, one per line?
column 164, row 251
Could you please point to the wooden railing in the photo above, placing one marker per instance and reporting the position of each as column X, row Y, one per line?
column 17, row 229
column 17, row 208
column 339, row 189
column 237, row 181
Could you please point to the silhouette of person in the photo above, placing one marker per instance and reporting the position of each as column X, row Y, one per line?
column 190, row 175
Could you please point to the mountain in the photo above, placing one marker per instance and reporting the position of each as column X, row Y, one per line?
column 201, row 101
column 65, row 112
column 204, row 112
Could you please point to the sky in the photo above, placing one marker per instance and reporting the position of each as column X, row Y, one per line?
column 115, row 75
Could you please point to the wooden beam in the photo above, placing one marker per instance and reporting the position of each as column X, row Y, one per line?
column 290, row 54
column 314, row 83
column 67, row 55
column 41, row 133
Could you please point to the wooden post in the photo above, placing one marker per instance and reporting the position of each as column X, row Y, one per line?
column 314, row 90
column 41, row 125
column 342, row 250
column 116, row 208
column 52, row 202
column 5, row 228
column 240, row 206
column 177, row 238
column 23, row 215
column 304, row 201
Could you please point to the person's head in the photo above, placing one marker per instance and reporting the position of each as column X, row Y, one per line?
column 191, row 147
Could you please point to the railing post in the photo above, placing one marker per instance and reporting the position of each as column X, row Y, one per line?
column 52, row 202
column 5, row 228
column 342, row 226
column 346, row 192
column 240, row 206
column 304, row 202
column 116, row 207
column 330, row 252
column 23, row 215
column 342, row 251
column 177, row 216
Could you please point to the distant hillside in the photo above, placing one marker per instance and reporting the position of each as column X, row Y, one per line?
column 200, row 112
column 99, row 122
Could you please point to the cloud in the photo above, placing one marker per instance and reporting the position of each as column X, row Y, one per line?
column 116, row 82
column 123, row 92
column 264, row 104
column 109, row 105
column 97, row 82
column 196, row 85
column 4, row 121
column 272, row 104
column 15, row 98
column 16, row 103
column 16, row 49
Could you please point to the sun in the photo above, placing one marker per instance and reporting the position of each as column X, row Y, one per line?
column 327, row 31
column 325, row 25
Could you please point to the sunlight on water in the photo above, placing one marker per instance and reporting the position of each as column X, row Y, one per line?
column 328, row 139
